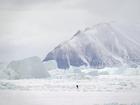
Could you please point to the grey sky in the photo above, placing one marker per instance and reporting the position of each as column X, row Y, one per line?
column 34, row 27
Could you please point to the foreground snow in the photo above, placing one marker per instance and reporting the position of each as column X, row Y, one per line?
column 101, row 90
column 68, row 98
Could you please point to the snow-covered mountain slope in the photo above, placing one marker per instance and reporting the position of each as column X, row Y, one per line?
column 103, row 45
column 31, row 67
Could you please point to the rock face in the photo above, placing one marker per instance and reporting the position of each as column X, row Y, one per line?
column 27, row 68
column 103, row 45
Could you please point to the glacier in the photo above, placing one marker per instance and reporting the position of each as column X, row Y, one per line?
column 103, row 45
column 27, row 68
column 104, row 49
column 34, row 68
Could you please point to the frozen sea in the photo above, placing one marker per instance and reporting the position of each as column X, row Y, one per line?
column 100, row 90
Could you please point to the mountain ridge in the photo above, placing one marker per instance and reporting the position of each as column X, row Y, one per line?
column 102, row 45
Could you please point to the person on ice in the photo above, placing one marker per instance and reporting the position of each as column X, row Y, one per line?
column 77, row 86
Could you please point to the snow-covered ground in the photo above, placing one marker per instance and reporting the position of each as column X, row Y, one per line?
column 68, row 98
column 100, row 90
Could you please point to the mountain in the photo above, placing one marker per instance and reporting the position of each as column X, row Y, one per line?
column 103, row 45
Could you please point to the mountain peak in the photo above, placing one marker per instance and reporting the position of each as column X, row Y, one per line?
column 103, row 45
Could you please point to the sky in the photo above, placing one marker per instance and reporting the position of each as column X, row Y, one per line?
column 34, row 27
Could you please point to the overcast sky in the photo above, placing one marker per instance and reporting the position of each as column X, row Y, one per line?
column 34, row 27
